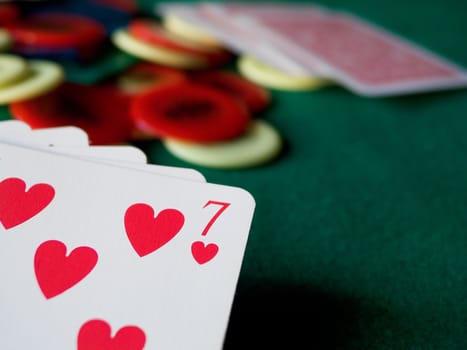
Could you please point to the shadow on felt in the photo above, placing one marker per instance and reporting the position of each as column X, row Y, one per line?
column 283, row 317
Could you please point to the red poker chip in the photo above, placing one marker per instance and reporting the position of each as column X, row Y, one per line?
column 189, row 112
column 127, row 6
column 255, row 97
column 9, row 13
column 57, row 30
column 151, row 32
column 146, row 75
column 100, row 110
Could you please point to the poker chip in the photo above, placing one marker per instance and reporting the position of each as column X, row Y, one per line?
column 5, row 40
column 42, row 77
column 110, row 17
column 270, row 77
column 57, row 30
column 9, row 12
column 145, row 75
column 151, row 32
column 53, row 54
column 258, row 145
column 255, row 97
column 189, row 112
column 12, row 68
column 127, row 6
column 100, row 110
column 138, row 48
column 184, row 29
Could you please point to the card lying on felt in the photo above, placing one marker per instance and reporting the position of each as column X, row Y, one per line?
column 368, row 60
column 98, row 256
column 362, row 57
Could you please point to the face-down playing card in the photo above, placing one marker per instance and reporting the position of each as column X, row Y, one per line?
column 363, row 57
column 220, row 21
column 96, row 257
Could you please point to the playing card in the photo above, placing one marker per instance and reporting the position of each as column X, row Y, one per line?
column 69, row 140
column 248, row 17
column 76, row 145
column 94, row 257
column 238, row 38
column 69, row 136
column 366, row 59
column 119, row 153
column 13, row 130
column 13, row 127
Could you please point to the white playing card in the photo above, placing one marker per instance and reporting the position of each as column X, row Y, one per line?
column 61, row 136
column 13, row 127
column 72, row 137
column 119, row 153
column 95, row 257
column 164, row 170
column 69, row 140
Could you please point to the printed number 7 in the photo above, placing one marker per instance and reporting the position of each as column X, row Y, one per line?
column 223, row 207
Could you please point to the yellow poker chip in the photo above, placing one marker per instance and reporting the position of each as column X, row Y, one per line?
column 5, row 40
column 12, row 68
column 188, row 31
column 42, row 77
column 260, row 144
column 271, row 77
column 152, row 53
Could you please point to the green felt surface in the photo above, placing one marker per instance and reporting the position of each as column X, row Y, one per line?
column 359, row 239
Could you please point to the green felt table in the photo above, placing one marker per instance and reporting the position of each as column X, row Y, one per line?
column 359, row 238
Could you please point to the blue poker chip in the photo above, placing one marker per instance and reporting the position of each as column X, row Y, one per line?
column 111, row 18
column 61, row 55
column 46, row 54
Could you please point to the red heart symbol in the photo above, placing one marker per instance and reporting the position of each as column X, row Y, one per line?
column 56, row 272
column 18, row 205
column 95, row 335
column 203, row 253
column 148, row 233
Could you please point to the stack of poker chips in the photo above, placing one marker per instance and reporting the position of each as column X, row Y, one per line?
column 183, row 87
